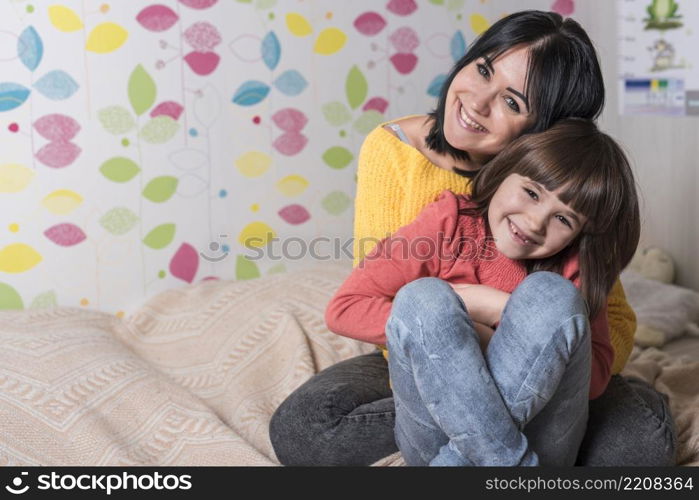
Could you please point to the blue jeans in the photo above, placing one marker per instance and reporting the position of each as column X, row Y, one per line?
column 345, row 415
column 523, row 402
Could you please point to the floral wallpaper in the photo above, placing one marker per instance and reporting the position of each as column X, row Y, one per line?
column 150, row 144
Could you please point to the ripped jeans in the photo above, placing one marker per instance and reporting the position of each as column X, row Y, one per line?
column 522, row 402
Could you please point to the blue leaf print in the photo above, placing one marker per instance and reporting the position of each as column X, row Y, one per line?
column 12, row 95
column 436, row 86
column 250, row 93
column 30, row 48
column 458, row 46
column 56, row 85
column 271, row 50
column 291, row 83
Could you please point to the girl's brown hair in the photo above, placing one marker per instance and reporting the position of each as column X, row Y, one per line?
column 596, row 181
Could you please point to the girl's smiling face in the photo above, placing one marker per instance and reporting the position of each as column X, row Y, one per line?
column 530, row 222
column 486, row 107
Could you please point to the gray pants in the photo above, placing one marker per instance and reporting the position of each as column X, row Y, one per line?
column 345, row 415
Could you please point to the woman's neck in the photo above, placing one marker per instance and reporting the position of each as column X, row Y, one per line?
column 444, row 160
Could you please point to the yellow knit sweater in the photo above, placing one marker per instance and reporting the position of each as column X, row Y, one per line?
column 395, row 182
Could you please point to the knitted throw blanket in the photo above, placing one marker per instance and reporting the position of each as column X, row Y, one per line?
column 194, row 375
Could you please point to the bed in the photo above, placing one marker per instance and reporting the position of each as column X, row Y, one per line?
column 193, row 376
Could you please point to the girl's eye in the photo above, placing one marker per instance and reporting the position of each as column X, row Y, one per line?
column 564, row 221
column 512, row 104
column 531, row 194
column 483, row 71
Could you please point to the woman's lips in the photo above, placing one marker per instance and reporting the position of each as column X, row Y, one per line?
column 469, row 123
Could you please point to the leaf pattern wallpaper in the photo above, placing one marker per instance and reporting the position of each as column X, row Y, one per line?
column 146, row 145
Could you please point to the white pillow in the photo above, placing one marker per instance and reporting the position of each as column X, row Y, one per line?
column 663, row 311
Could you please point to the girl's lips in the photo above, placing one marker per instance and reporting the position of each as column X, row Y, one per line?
column 467, row 122
column 518, row 235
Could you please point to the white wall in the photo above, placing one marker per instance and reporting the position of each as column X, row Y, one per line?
column 664, row 152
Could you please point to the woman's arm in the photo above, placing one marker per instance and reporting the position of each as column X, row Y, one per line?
column 602, row 354
column 622, row 326
column 362, row 305
column 394, row 183
column 376, row 214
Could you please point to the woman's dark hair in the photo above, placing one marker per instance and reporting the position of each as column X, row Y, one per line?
column 595, row 179
column 563, row 75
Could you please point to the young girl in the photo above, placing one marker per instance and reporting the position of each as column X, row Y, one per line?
column 532, row 254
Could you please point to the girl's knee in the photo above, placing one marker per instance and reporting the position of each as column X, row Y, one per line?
column 550, row 294
column 423, row 289
column 421, row 305
column 424, row 296
column 544, row 305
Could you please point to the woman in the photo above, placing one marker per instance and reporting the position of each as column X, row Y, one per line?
column 526, row 72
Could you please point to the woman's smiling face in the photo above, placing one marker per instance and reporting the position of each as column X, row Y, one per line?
column 530, row 222
column 486, row 107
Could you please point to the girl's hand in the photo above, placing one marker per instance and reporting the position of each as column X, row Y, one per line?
column 484, row 303
column 484, row 334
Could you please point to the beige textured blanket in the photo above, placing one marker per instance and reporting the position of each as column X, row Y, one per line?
column 193, row 376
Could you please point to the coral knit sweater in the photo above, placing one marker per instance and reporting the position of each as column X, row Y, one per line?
column 395, row 182
column 456, row 248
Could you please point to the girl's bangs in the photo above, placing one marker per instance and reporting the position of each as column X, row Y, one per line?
column 581, row 188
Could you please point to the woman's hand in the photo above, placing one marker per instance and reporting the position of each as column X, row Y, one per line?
column 484, row 303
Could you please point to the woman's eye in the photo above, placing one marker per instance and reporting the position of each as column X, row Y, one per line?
column 565, row 221
column 512, row 104
column 483, row 70
column 531, row 194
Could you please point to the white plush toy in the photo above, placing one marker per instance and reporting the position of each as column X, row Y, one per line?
column 653, row 263
column 663, row 311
